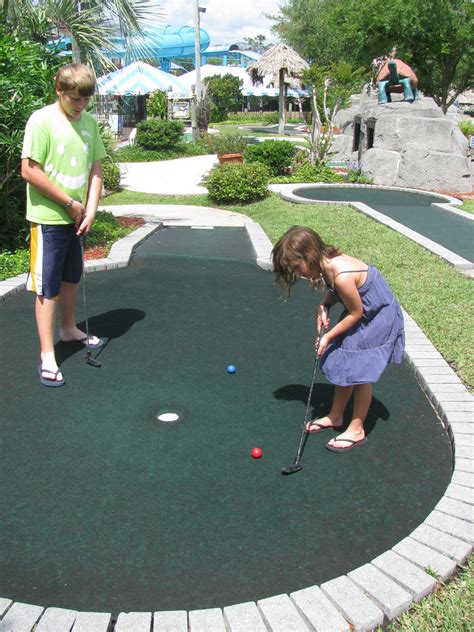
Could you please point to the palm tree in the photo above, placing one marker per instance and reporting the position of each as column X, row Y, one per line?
column 283, row 63
column 94, row 25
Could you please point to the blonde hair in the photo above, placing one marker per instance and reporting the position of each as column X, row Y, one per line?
column 300, row 242
column 76, row 78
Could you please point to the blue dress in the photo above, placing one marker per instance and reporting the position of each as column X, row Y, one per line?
column 360, row 355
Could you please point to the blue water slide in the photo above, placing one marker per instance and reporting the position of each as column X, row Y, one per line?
column 156, row 43
column 164, row 44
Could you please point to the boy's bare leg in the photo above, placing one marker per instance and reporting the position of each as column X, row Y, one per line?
column 67, row 304
column 355, row 430
column 45, row 312
column 334, row 418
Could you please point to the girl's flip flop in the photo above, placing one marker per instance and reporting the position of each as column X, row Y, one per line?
column 321, row 427
column 353, row 444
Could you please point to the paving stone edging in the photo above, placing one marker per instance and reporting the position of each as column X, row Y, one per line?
column 366, row 597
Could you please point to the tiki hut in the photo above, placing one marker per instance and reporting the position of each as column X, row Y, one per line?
column 284, row 63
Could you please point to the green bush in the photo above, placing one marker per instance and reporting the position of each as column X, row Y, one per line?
column 26, row 84
column 307, row 172
column 225, row 143
column 467, row 128
column 132, row 153
column 157, row 104
column 111, row 175
column 238, row 183
column 254, row 118
column 354, row 175
column 12, row 264
column 155, row 134
column 224, row 95
column 105, row 230
column 276, row 154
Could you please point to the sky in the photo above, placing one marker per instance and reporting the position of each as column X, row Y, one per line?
column 226, row 21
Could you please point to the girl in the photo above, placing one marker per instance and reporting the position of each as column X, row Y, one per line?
column 368, row 335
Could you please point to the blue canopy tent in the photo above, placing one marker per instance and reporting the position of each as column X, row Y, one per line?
column 137, row 79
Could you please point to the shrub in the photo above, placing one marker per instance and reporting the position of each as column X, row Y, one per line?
column 111, row 175
column 259, row 118
column 467, row 128
column 238, row 183
column 12, row 264
column 276, row 154
column 227, row 143
column 225, row 95
column 354, row 175
column 105, row 230
column 26, row 84
column 308, row 172
column 132, row 153
column 157, row 104
column 155, row 134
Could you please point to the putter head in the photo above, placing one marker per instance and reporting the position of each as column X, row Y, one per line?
column 296, row 467
column 92, row 361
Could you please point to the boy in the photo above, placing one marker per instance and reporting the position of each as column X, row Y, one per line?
column 61, row 163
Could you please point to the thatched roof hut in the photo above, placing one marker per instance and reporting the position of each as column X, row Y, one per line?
column 276, row 58
column 284, row 63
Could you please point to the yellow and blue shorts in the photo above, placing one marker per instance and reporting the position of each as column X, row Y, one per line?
column 55, row 256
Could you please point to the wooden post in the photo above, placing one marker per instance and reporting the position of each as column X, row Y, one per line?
column 281, row 102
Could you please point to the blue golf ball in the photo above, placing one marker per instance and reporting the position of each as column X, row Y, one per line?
column 231, row 369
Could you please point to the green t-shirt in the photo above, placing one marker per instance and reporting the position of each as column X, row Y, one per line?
column 65, row 150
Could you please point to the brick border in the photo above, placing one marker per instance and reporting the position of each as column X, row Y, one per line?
column 366, row 597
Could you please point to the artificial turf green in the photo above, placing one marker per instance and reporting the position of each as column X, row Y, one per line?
column 108, row 509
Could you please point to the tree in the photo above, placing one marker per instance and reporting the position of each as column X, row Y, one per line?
column 434, row 37
column 94, row 25
column 258, row 43
column 310, row 27
column 225, row 95
column 331, row 88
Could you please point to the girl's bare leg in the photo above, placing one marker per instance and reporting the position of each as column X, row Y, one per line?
column 355, row 430
column 334, row 418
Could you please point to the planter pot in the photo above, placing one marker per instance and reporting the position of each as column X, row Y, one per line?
column 225, row 158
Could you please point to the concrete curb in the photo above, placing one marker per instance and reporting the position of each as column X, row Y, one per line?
column 366, row 597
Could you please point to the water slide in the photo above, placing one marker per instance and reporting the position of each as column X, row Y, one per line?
column 166, row 44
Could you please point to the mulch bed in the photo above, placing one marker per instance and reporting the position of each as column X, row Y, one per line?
column 99, row 252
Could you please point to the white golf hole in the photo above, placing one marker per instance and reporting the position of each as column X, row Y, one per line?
column 168, row 417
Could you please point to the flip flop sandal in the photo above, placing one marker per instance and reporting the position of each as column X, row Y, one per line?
column 354, row 444
column 321, row 427
column 83, row 343
column 53, row 382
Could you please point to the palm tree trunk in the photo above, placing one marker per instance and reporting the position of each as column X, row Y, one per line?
column 76, row 51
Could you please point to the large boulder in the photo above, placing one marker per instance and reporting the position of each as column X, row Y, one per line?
column 404, row 144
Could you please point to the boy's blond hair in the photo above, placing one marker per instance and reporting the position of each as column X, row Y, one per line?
column 76, row 78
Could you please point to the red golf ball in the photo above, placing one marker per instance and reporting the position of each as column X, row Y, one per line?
column 256, row 453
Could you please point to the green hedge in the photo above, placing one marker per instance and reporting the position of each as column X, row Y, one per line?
column 111, row 175
column 277, row 155
column 238, row 183
column 155, row 134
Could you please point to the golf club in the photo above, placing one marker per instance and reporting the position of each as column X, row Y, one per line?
column 89, row 359
column 297, row 467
